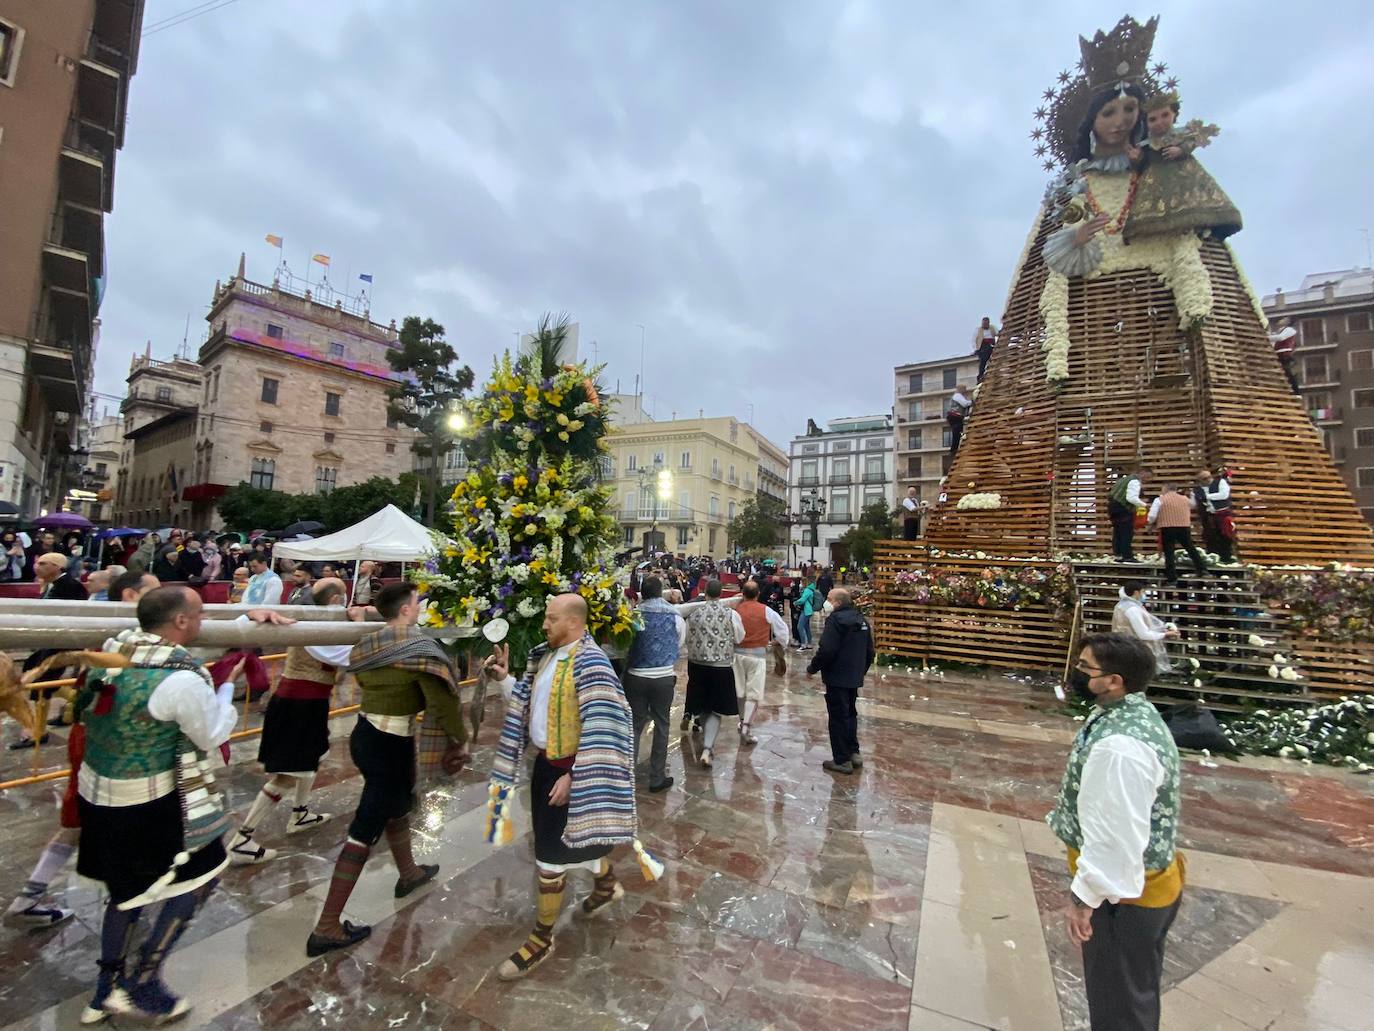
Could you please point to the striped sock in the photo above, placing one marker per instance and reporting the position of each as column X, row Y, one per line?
column 352, row 858
column 547, row 908
column 398, row 837
column 603, row 890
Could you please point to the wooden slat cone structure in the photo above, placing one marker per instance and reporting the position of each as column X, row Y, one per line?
column 1142, row 387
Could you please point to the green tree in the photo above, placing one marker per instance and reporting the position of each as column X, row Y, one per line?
column 252, row 508
column 428, row 397
column 345, row 506
column 758, row 524
column 875, row 524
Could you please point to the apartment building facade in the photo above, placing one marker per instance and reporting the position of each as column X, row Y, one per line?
column 844, row 467
column 1333, row 313
column 920, row 434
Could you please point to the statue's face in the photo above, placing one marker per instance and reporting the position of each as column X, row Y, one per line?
column 1114, row 123
column 1161, row 121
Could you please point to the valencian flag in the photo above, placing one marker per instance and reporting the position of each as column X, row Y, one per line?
column 275, row 241
column 323, row 259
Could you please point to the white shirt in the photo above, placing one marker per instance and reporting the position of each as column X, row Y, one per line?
column 910, row 504
column 1120, row 781
column 1154, row 505
column 663, row 671
column 736, row 623
column 1133, row 493
column 1222, row 493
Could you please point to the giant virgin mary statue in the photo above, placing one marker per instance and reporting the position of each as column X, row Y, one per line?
column 1131, row 337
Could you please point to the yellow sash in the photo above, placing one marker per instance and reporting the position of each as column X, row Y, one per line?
column 1162, row 887
column 565, row 717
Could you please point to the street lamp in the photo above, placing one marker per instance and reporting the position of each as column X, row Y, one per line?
column 813, row 510
column 657, row 482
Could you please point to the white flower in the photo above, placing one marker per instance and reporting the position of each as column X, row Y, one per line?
column 1279, row 659
column 1197, row 682
column 1285, row 751
column 519, row 573
column 1274, row 672
column 1289, row 673
column 1258, row 641
column 980, row 503
column 1194, row 663
column 528, row 607
column 1301, row 750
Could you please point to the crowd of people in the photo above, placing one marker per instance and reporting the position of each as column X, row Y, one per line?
column 1171, row 515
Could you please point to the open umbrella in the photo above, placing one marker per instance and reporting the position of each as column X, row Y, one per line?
column 309, row 526
column 63, row 521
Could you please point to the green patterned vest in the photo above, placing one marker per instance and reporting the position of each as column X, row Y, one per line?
column 127, row 742
column 1135, row 717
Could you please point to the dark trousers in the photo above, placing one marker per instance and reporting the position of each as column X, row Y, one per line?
column 911, row 528
column 956, row 431
column 1123, row 529
column 1287, row 367
column 984, row 354
column 841, row 704
column 1122, row 963
column 650, row 698
column 1213, row 539
column 1171, row 537
column 387, row 763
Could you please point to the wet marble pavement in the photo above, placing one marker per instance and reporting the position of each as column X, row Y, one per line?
column 922, row 892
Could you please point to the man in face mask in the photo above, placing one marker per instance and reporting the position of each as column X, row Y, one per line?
column 1131, row 617
column 1117, row 813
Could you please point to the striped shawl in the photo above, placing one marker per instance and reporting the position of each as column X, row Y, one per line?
column 601, row 806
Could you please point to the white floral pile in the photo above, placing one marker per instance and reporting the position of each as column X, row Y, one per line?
column 979, row 502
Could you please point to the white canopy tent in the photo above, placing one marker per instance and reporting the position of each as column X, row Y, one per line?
column 386, row 536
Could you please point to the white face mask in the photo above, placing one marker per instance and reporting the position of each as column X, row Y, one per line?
column 828, row 607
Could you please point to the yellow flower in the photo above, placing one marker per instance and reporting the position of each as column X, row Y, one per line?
column 550, row 578
column 480, row 503
column 531, row 529
column 459, row 489
column 553, row 397
column 521, row 482
column 450, row 552
column 536, row 565
column 562, row 419
column 531, row 392
column 585, row 590
column 563, row 436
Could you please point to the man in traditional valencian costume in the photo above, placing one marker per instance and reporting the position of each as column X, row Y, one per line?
column 571, row 708
column 151, row 814
column 295, row 732
column 1117, row 812
column 401, row 673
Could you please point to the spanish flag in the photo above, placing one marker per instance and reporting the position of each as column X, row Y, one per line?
column 323, row 259
column 275, row 241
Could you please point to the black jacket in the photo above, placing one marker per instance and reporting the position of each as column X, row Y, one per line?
column 67, row 588
column 846, row 649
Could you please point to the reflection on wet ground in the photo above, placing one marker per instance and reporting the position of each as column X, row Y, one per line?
column 921, row 892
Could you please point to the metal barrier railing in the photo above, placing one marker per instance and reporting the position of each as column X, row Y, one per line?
column 40, row 707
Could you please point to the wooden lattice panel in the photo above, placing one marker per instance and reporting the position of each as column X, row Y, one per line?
column 1141, row 387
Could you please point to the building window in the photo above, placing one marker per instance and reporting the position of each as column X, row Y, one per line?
column 839, row 470
column 658, row 458
column 1364, row 436
column 733, row 477
column 101, row 468
column 164, row 394
column 264, row 427
column 1361, row 361
column 730, row 511
column 1363, row 397
column 1313, row 331
column 390, row 447
column 684, row 504
column 950, row 378
column 331, row 403
column 629, row 535
column 11, row 42
column 631, row 464
column 809, row 476
column 274, row 331
column 214, row 387
column 324, row 479
column 913, row 410
column 873, row 470
column 682, row 536
column 715, row 467
column 264, row 472
column 839, row 504
column 874, row 498
column 711, row 542
column 607, row 464
column 713, row 506
column 329, row 438
column 945, row 438
column 269, row 391
column 875, row 443
column 1314, row 368
column 840, row 445
column 1357, row 322
column 914, row 383
column 1364, row 477
column 686, row 460
column 336, row 349
column 913, row 440
column 810, row 449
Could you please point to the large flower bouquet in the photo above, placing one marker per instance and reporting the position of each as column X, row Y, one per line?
column 993, row 587
column 1333, row 604
column 531, row 519
column 1340, row 733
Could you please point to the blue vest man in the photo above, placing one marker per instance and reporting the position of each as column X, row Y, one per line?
column 650, row 677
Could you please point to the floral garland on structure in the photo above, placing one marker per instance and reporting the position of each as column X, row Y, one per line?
column 1338, row 734
column 531, row 520
column 981, row 502
column 1334, row 604
column 994, row 587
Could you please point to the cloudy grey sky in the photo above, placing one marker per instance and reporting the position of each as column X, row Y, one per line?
column 791, row 195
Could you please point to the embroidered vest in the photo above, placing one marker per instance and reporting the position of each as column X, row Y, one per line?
column 305, row 676
column 1135, row 717
column 1214, row 505
column 127, row 742
column 711, row 635
column 1173, row 511
column 656, row 645
column 755, row 620
column 1120, row 488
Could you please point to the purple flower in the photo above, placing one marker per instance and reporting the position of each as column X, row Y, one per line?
column 546, row 384
column 505, row 479
column 505, row 590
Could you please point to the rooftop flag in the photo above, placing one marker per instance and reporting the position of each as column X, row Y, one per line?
column 366, row 277
column 275, row 241
column 323, row 259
